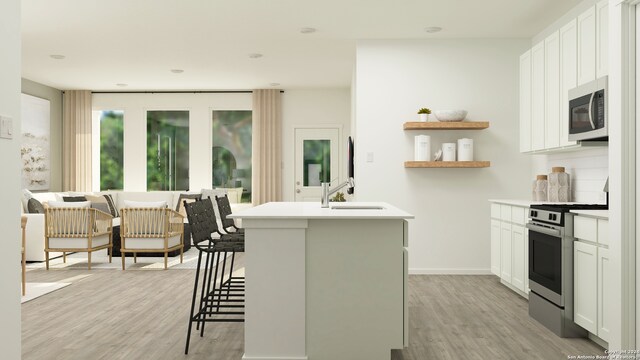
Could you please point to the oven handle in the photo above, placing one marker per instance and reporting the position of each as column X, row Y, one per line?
column 544, row 230
column 591, row 110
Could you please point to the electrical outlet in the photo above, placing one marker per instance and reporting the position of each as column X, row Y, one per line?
column 6, row 127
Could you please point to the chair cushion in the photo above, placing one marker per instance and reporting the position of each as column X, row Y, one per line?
column 150, row 243
column 78, row 243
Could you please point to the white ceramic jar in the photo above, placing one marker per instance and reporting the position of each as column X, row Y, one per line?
column 559, row 185
column 539, row 192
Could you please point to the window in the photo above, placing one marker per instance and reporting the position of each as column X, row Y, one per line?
column 231, row 152
column 317, row 161
column 167, row 150
column 111, row 149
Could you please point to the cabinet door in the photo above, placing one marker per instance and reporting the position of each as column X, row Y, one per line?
column 537, row 97
column 568, row 76
column 587, row 46
column 604, row 294
column 505, row 252
column 495, row 247
column 602, row 38
column 525, row 102
column 518, row 272
column 585, row 289
column 552, row 91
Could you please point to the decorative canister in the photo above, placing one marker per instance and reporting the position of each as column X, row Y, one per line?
column 465, row 149
column 422, row 148
column 449, row 152
column 539, row 192
column 559, row 185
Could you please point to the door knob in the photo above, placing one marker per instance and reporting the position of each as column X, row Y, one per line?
column 297, row 182
column 298, row 191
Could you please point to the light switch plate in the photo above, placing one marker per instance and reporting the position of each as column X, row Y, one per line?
column 6, row 127
column 370, row 157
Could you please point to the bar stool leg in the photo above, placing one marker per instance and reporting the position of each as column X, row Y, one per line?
column 193, row 303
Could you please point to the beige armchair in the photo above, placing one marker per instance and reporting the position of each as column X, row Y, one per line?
column 77, row 229
column 151, row 230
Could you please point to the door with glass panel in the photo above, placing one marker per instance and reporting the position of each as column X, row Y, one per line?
column 317, row 160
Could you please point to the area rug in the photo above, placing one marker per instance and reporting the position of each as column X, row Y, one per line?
column 35, row 290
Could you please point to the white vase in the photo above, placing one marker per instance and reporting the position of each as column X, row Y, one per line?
column 422, row 148
column 424, row 117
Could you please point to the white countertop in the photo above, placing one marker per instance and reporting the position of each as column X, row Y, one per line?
column 604, row 214
column 527, row 203
column 312, row 210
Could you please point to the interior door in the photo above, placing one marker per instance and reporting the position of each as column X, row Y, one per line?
column 317, row 159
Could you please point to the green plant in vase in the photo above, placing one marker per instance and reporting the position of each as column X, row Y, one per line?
column 424, row 114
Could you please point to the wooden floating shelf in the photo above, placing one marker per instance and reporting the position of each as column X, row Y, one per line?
column 441, row 125
column 447, row 164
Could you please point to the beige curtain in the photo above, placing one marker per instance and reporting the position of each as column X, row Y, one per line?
column 267, row 147
column 76, row 141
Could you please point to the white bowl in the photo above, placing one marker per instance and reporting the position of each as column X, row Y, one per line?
column 450, row 115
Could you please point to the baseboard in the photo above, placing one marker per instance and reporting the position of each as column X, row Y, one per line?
column 245, row 357
column 431, row 271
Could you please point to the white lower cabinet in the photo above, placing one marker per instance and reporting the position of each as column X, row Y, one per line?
column 604, row 289
column 509, row 246
column 592, row 276
column 495, row 247
column 518, row 271
column 505, row 250
column 585, row 289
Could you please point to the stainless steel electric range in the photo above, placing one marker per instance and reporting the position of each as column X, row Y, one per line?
column 551, row 266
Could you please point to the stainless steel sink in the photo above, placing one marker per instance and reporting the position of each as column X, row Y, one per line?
column 356, row 207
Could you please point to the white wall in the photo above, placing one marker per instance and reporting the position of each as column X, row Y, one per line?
column 10, row 333
column 199, row 105
column 451, row 232
column 312, row 108
column 589, row 170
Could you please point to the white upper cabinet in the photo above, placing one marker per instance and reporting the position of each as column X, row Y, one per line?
column 552, row 90
column 537, row 97
column 575, row 54
column 602, row 38
column 525, row 102
column 568, row 76
column 587, row 46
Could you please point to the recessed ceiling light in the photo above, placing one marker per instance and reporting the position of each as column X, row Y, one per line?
column 308, row 30
column 432, row 29
column 177, row 71
column 255, row 56
column 121, row 85
column 274, row 84
column 57, row 57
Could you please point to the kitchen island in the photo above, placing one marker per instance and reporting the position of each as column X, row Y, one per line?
column 325, row 283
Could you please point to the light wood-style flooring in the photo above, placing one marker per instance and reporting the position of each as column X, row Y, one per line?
column 143, row 314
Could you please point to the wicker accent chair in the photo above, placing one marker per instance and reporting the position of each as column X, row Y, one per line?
column 76, row 229
column 151, row 230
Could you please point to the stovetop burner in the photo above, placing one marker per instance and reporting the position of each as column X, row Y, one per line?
column 568, row 207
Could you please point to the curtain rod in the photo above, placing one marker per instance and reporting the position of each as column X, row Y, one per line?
column 179, row 92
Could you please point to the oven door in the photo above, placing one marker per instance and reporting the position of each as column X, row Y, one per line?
column 545, row 262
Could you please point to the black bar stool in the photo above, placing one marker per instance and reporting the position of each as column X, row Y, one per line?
column 224, row 207
column 220, row 300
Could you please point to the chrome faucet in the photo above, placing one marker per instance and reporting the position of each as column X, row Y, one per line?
column 326, row 192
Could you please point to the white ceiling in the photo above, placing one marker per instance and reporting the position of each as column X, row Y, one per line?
column 107, row 42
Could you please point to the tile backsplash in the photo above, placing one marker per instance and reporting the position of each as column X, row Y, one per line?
column 589, row 170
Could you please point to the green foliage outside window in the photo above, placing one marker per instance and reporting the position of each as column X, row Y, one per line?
column 111, row 150
column 167, row 150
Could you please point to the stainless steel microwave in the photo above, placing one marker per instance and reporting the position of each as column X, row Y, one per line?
column 588, row 111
